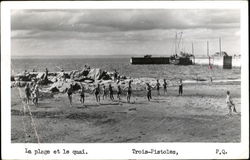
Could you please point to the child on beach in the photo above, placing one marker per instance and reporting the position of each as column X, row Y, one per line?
column 158, row 87
column 70, row 92
column 165, row 86
column 230, row 104
column 111, row 93
column 35, row 95
column 97, row 92
column 119, row 92
column 148, row 88
column 180, row 87
column 82, row 94
column 104, row 95
column 129, row 92
column 27, row 91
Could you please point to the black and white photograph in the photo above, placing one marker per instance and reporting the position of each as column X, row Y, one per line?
column 126, row 76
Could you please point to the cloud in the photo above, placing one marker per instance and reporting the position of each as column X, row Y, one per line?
column 114, row 31
column 122, row 20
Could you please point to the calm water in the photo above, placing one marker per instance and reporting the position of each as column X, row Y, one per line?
column 123, row 66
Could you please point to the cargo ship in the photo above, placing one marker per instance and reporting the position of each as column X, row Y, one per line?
column 182, row 58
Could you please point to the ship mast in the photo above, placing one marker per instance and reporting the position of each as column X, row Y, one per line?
column 220, row 45
column 175, row 52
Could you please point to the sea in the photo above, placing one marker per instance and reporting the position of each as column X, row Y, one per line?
column 123, row 66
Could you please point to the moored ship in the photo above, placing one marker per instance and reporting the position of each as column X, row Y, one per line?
column 148, row 59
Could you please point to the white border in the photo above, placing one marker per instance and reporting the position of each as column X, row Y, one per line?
column 123, row 150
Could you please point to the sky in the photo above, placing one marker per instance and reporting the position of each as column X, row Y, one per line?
column 123, row 31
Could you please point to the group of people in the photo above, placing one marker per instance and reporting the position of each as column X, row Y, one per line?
column 98, row 93
column 31, row 93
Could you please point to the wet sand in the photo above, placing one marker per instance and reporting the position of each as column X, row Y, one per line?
column 200, row 115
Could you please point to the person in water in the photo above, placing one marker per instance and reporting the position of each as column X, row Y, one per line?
column 82, row 94
column 97, row 92
column 70, row 92
column 148, row 88
column 158, row 87
column 119, row 92
column 27, row 91
column 230, row 104
column 129, row 91
column 165, row 86
column 111, row 92
column 180, row 87
column 105, row 93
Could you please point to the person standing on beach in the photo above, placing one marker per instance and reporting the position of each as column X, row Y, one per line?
column 129, row 91
column 230, row 104
column 27, row 91
column 82, row 94
column 148, row 88
column 97, row 93
column 104, row 95
column 111, row 92
column 180, row 87
column 158, row 87
column 115, row 75
column 70, row 92
column 46, row 74
column 35, row 95
column 165, row 86
column 119, row 92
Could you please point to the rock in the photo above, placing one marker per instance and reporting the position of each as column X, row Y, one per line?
column 40, row 75
column 63, row 75
column 54, row 90
column 89, row 81
column 82, row 79
column 63, row 86
column 44, row 82
column 53, row 79
column 95, row 74
column 77, row 74
column 18, row 84
column 59, row 87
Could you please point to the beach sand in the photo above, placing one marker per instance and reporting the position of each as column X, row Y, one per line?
column 200, row 115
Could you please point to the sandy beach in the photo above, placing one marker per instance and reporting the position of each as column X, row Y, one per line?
column 199, row 115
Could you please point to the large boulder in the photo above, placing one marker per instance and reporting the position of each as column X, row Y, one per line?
column 40, row 75
column 78, row 74
column 95, row 74
column 63, row 86
column 59, row 87
column 83, row 79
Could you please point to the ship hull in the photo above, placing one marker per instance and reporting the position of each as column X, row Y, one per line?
column 181, row 61
column 152, row 60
